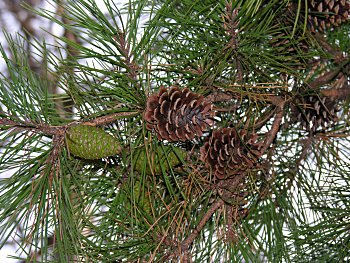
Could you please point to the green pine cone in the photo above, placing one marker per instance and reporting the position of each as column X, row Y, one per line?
column 141, row 198
column 90, row 142
column 158, row 160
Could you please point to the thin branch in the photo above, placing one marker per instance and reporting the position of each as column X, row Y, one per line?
column 231, row 27
column 336, row 54
column 125, row 51
column 103, row 120
column 263, row 120
column 7, row 122
column 306, row 147
column 270, row 136
column 183, row 249
column 231, row 235
column 188, row 241
column 60, row 130
column 219, row 96
column 328, row 76
column 338, row 59
column 334, row 93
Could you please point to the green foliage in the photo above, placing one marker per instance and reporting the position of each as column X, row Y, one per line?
column 116, row 193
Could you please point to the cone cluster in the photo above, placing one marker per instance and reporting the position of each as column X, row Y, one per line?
column 327, row 13
column 178, row 115
column 314, row 112
column 226, row 152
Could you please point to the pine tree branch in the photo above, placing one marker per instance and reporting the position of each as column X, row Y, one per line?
column 271, row 135
column 231, row 235
column 125, row 51
column 231, row 27
column 183, row 249
column 219, row 97
column 327, row 77
column 110, row 118
column 229, row 95
column 340, row 61
column 337, row 93
column 185, row 245
column 336, row 54
column 59, row 130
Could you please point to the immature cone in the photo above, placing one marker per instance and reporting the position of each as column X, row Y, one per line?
column 226, row 153
column 178, row 115
column 158, row 161
column 313, row 112
column 89, row 142
column 327, row 13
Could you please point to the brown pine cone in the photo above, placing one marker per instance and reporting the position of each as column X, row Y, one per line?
column 313, row 112
column 327, row 13
column 284, row 25
column 228, row 153
column 178, row 115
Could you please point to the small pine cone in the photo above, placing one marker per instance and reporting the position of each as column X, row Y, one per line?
column 178, row 115
column 327, row 13
column 90, row 142
column 227, row 153
column 313, row 112
column 157, row 162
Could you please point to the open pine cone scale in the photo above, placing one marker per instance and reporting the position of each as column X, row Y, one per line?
column 178, row 115
column 227, row 153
